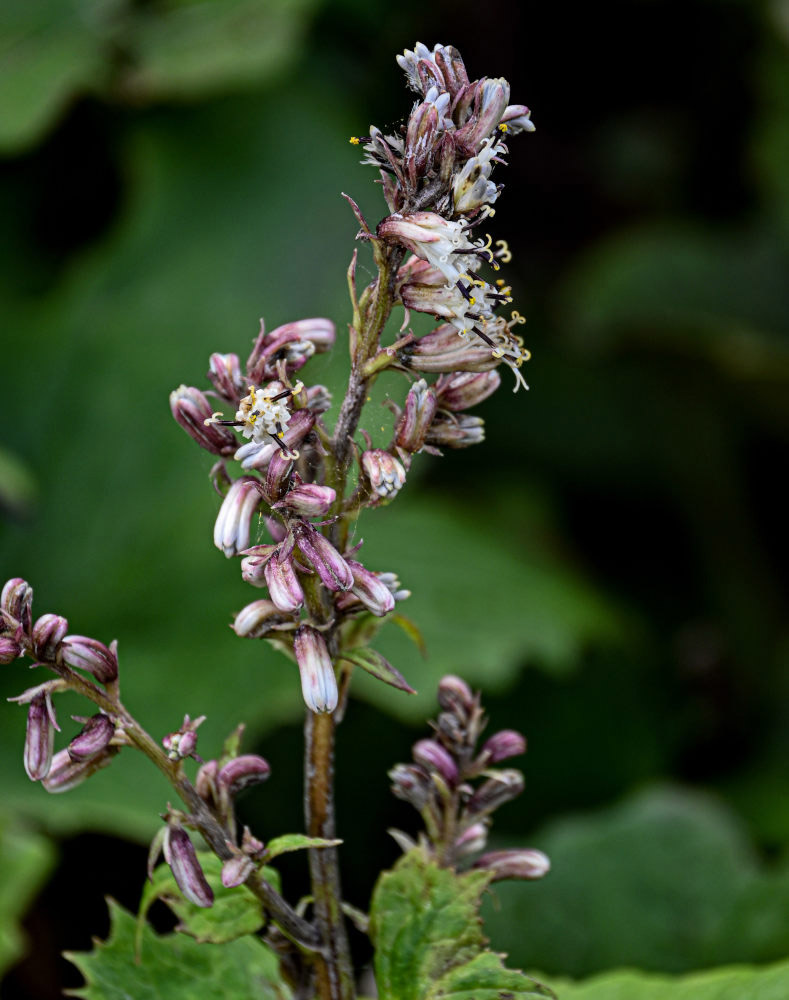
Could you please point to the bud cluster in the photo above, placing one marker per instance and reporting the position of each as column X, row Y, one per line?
column 455, row 788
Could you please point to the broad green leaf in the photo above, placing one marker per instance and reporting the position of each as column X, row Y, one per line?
column 235, row 912
column 295, row 842
column 176, row 966
column 425, row 926
column 379, row 667
column 733, row 983
column 26, row 859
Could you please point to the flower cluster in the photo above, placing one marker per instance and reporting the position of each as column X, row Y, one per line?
column 456, row 813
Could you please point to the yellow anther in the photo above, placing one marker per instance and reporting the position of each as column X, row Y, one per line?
column 504, row 127
column 504, row 253
column 499, row 282
column 488, row 241
column 297, row 388
column 471, row 300
column 354, row 140
column 479, row 282
column 517, row 318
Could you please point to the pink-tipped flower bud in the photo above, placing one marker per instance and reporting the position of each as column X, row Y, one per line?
column 433, row 757
column 412, row 784
column 279, row 475
column 307, row 500
column 528, row 863
column 233, row 523
column 84, row 653
column 191, row 409
column 243, row 772
column 333, row 570
column 236, row 870
column 253, row 565
column 472, row 839
column 501, row 745
column 293, row 343
column 9, row 649
column 444, row 350
column 93, row 740
column 224, row 371
column 65, row 773
column 318, row 680
column 420, row 140
column 16, row 602
column 370, row 589
column 259, row 618
column 418, row 412
column 318, row 399
column 385, row 473
column 283, row 582
column 180, row 855
column 456, row 431
column 463, row 390
column 48, row 634
column 183, row 742
column 205, row 782
column 517, row 118
column 503, row 787
column 454, row 695
column 40, row 736
column 490, row 102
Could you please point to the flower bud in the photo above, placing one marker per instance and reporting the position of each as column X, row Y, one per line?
column 16, row 602
column 318, row 399
column 333, row 570
column 224, row 371
column 48, row 633
column 420, row 140
column 243, row 772
column 40, row 736
column 504, row 744
column 370, row 589
column 236, row 870
column 472, row 839
column 205, row 782
column 279, row 475
column 183, row 742
column 283, row 582
column 418, row 412
column 259, row 618
column 66, row 773
column 191, row 409
column 385, row 474
column 528, row 863
column 454, row 695
column 444, row 350
column 95, row 737
column 318, row 681
column 463, row 390
column 433, row 757
column 517, row 118
column 84, row 653
column 293, row 343
column 233, row 523
column 412, row 784
column 9, row 650
column 490, row 102
column 307, row 500
column 180, row 855
column 449, row 431
column 503, row 787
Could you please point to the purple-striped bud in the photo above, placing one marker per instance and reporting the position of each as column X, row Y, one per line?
column 278, row 475
column 259, row 618
column 192, row 409
column 318, row 398
column 84, row 653
column 224, row 371
column 16, row 602
column 293, row 343
column 95, row 737
column 463, row 390
column 205, row 782
column 517, row 118
column 450, row 431
column 253, row 566
column 444, row 350
column 180, row 855
column 327, row 562
column 257, row 455
column 48, row 634
column 9, row 650
column 283, row 582
column 66, row 773
column 433, row 757
column 472, row 839
column 420, row 140
column 370, row 589
column 236, row 870
column 307, row 500
column 251, row 846
column 412, row 784
column 183, row 742
column 454, row 695
column 40, row 736
column 528, row 863
column 233, row 523
column 418, row 412
column 385, row 473
column 243, row 772
column 503, row 787
column 318, row 681
column 490, row 102
column 501, row 745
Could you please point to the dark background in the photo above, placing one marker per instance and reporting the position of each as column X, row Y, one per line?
column 609, row 566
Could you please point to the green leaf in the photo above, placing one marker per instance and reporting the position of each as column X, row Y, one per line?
column 412, row 630
column 734, row 983
column 295, row 842
column 176, row 966
column 377, row 665
column 235, row 913
column 26, row 859
column 424, row 923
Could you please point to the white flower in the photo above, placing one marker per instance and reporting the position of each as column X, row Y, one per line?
column 264, row 412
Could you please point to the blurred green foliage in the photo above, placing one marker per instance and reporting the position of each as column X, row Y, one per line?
column 610, row 566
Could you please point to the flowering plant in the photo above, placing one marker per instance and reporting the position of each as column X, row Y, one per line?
column 280, row 462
